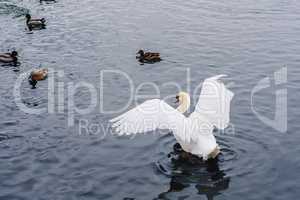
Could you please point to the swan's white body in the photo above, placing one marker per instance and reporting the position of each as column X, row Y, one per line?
column 194, row 133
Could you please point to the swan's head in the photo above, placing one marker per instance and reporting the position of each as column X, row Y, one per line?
column 184, row 101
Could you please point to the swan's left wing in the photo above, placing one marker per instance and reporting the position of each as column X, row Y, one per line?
column 149, row 116
column 214, row 102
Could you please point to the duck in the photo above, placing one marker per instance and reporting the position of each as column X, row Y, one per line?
column 195, row 132
column 148, row 57
column 37, row 75
column 10, row 57
column 48, row 1
column 35, row 23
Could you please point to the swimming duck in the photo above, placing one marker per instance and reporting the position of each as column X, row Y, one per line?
column 9, row 57
column 37, row 75
column 35, row 23
column 48, row 1
column 149, row 57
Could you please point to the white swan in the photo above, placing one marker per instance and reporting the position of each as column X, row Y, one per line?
column 194, row 133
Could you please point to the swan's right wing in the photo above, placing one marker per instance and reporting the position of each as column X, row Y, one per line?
column 149, row 116
column 214, row 102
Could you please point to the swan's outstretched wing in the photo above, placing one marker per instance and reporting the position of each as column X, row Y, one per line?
column 149, row 116
column 214, row 102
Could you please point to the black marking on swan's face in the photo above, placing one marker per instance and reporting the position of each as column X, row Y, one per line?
column 177, row 99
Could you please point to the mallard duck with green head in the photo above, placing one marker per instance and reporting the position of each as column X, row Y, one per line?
column 35, row 23
column 10, row 57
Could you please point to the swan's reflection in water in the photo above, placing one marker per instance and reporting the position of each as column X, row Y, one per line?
column 190, row 173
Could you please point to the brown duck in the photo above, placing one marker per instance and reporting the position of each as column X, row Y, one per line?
column 148, row 57
column 37, row 75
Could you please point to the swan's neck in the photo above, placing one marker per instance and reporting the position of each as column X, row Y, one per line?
column 185, row 105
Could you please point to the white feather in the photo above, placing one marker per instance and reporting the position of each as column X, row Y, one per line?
column 214, row 102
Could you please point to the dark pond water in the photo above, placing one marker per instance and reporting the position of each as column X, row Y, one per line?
column 47, row 157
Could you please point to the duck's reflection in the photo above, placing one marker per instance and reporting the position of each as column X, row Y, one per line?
column 189, row 173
